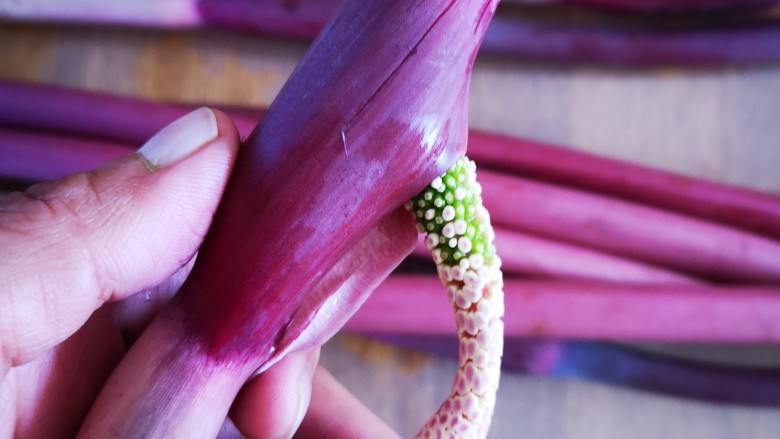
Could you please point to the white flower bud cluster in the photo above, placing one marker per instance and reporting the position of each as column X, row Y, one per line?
column 460, row 238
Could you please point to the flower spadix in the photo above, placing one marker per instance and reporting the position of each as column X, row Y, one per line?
column 459, row 235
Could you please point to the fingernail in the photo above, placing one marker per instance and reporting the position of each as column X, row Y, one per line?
column 181, row 138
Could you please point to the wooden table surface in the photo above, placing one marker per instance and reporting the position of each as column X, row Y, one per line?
column 722, row 124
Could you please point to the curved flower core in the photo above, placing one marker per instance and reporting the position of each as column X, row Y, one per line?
column 458, row 233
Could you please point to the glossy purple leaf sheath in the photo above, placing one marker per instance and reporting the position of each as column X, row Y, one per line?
column 161, row 401
column 369, row 117
column 348, row 284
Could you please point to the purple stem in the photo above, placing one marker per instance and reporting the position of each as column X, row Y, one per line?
column 667, row 6
column 753, row 42
column 526, row 39
column 299, row 19
column 621, row 366
column 629, row 229
column 747, row 209
column 99, row 115
column 86, row 113
column 589, row 310
column 526, row 254
column 35, row 156
column 738, row 45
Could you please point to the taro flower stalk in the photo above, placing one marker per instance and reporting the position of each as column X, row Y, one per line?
column 459, row 234
column 374, row 112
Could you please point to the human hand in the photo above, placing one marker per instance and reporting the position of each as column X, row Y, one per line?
column 87, row 261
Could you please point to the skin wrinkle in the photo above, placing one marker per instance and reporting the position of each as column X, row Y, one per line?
column 59, row 203
column 17, row 213
column 103, row 283
column 196, row 231
column 43, row 202
column 14, row 228
column 50, row 313
column 5, row 360
column 181, row 198
column 92, row 186
column 32, row 376
column 113, row 202
column 104, row 260
column 9, row 388
column 54, row 204
column 200, row 229
column 5, row 345
column 91, row 193
column 60, row 206
column 84, row 278
column 8, row 337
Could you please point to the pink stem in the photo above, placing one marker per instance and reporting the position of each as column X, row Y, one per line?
column 82, row 112
column 666, row 6
column 301, row 19
column 631, row 230
column 617, row 311
column 35, row 156
column 757, row 43
column 622, row 366
column 725, row 44
column 99, row 115
column 525, row 254
column 751, row 210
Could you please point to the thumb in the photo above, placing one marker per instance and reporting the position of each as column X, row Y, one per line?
column 68, row 246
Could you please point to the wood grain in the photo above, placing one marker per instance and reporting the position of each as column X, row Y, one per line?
column 720, row 124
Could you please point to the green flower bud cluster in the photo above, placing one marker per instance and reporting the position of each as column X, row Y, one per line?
column 450, row 212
